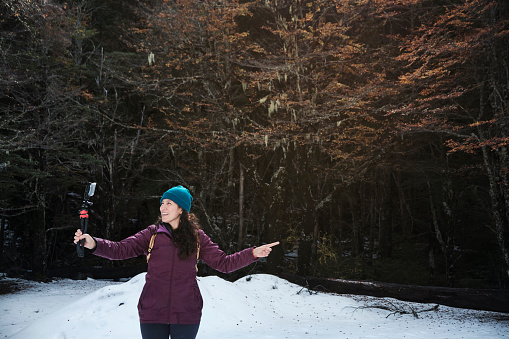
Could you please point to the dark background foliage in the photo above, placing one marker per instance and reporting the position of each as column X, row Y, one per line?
column 369, row 137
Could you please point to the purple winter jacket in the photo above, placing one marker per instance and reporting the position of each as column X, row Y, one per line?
column 171, row 294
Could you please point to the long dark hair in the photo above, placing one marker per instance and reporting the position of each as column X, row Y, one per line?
column 186, row 235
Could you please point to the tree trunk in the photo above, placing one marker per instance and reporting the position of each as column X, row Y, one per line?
column 356, row 229
column 3, row 224
column 372, row 230
column 446, row 243
column 38, row 235
column 315, row 241
column 274, row 231
column 496, row 208
column 431, row 257
column 305, row 253
column 39, row 241
column 240, row 241
column 385, row 237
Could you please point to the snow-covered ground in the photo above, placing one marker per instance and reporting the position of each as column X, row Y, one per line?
column 261, row 306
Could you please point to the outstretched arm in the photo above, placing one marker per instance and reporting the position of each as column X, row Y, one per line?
column 129, row 247
column 213, row 256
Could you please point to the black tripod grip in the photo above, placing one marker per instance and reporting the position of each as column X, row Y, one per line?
column 80, row 248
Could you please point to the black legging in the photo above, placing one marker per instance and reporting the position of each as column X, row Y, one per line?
column 165, row 331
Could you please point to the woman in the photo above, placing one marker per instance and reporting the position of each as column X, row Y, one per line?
column 170, row 304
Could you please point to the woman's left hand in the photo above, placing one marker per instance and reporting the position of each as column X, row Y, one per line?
column 264, row 250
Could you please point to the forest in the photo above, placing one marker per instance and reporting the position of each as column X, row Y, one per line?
column 370, row 137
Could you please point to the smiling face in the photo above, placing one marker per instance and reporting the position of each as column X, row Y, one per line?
column 170, row 212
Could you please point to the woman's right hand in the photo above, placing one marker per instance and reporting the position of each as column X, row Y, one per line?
column 89, row 241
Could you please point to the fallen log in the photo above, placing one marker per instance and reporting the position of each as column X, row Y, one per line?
column 476, row 299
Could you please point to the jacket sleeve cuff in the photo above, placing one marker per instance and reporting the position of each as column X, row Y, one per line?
column 93, row 249
column 254, row 256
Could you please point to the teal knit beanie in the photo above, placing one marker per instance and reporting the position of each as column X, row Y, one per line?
column 179, row 195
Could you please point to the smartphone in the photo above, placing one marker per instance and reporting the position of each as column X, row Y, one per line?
column 90, row 189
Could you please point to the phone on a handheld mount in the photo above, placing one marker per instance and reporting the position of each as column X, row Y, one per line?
column 89, row 192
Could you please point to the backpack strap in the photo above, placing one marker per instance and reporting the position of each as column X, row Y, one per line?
column 151, row 245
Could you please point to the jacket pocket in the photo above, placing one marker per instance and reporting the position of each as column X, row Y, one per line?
column 197, row 296
column 144, row 300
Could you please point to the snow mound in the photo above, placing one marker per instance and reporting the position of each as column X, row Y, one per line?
column 259, row 306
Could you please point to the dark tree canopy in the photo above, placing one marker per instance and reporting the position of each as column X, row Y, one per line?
column 369, row 137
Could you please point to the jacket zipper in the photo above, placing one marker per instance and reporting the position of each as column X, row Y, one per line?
column 171, row 281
